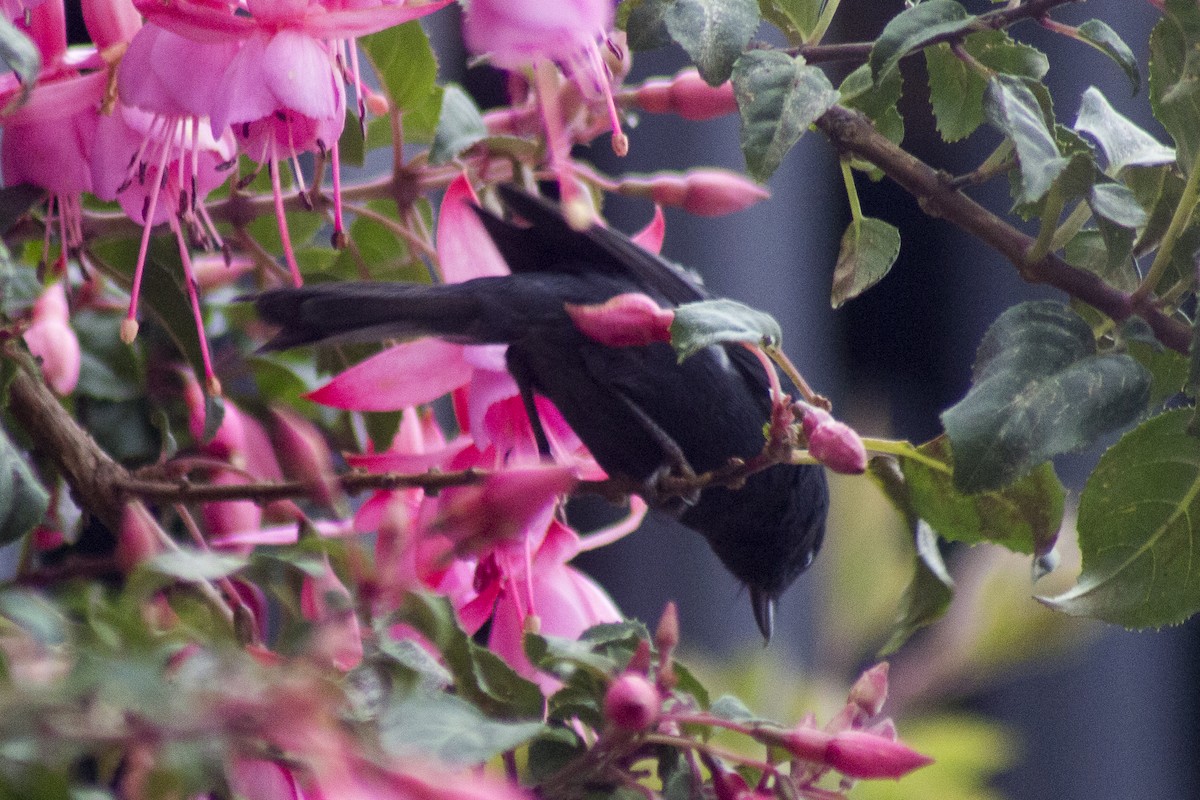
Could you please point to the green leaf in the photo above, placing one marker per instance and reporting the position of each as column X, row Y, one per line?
column 1124, row 143
column 407, row 67
column 709, row 322
column 1115, row 203
column 879, row 100
column 713, row 32
column 1024, row 517
column 23, row 499
column 15, row 201
column 21, row 56
column 869, row 248
column 1175, row 77
column 644, row 24
column 778, row 97
column 1040, row 388
column 352, row 144
column 480, row 676
column 194, row 566
column 460, row 126
column 109, row 369
column 928, row 595
column 1138, row 518
column 1168, row 368
column 450, row 730
column 796, row 18
column 1106, row 40
column 914, row 28
column 956, row 89
column 1014, row 110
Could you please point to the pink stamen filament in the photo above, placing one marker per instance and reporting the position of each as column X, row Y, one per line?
column 212, row 385
column 336, row 169
column 281, row 216
column 151, row 206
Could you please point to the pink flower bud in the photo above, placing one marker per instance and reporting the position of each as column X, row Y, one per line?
column 870, row 690
column 304, row 455
column 666, row 635
column 704, row 192
column 632, row 702
column 46, row 538
column 627, row 320
column 229, row 442
column 835, row 444
column 687, row 95
column 864, row 755
column 52, row 340
column 226, row 517
column 138, row 539
column 803, row 741
column 326, row 601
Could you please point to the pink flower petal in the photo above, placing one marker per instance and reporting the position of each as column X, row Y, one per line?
column 245, row 96
column 197, row 20
column 408, row 374
column 392, row 461
column 356, row 22
column 650, row 238
column 299, row 71
column 465, row 250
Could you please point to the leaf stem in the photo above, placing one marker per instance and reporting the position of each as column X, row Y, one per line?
column 851, row 191
column 823, row 22
column 905, row 449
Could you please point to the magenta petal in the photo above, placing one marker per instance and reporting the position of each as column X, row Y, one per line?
column 197, row 20
column 465, row 250
column 408, row 374
column 195, row 90
column 651, row 237
column 351, row 23
column 299, row 71
column 245, row 95
column 408, row 462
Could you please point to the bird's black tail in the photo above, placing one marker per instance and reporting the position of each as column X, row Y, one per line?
column 369, row 312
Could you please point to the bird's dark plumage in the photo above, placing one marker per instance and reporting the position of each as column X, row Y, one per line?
column 636, row 408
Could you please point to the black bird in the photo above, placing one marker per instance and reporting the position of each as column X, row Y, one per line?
column 638, row 410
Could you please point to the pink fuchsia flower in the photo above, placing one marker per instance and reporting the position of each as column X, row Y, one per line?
column 283, row 91
column 520, row 34
column 685, row 94
column 51, row 339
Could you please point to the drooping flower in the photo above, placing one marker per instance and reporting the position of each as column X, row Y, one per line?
column 283, row 91
column 50, row 338
column 530, row 34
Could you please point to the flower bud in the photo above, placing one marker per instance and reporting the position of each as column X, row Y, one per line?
column 138, row 539
column 226, row 517
column 688, row 95
column 704, row 192
column 305, row 456
column 835, row 444
column 627, row 320
column 870, row 690
column 52, row 340
column 865, row 755
column 632, row 702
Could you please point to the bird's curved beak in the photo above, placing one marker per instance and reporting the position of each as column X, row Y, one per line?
column 764, row 612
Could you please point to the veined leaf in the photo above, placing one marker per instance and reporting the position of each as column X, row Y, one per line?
column 460, row 125
column 869, row 249
column 1124, row 143
column 1175, row 77
column 21, row 56
column 1040, row 388
column 407, row 67
column 914, row 28
column 713, row 32
column 778, row 97
column 709, row 322
column 23, row 499
column 1014, row 110
column 1138, row 518
column 1100, row 36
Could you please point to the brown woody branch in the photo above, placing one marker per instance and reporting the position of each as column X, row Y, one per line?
column 853, row 134
column 993, row 20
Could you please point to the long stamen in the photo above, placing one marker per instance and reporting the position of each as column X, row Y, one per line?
column 620, row 142
column 281, row 217
column 575, row 207
column 339, row 229
column 211, row 384
column 129, row 327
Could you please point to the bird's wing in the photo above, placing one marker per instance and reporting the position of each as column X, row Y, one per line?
column 549, row 244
